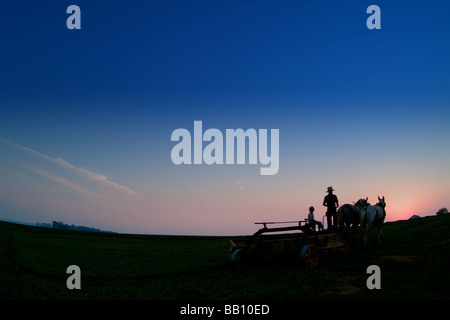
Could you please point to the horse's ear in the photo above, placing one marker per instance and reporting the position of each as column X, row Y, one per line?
column 383, row 198
column 367, row 198
column 379, row 198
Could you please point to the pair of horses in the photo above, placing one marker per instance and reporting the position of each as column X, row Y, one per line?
column 363, row 214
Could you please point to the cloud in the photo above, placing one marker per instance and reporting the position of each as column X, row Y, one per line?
column 65, row 182
column 81, row 170
column 36, row 186
column 240, row 186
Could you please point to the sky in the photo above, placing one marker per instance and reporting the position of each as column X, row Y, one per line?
column 86, row 115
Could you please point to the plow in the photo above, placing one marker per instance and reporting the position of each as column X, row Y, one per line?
column 290, row 239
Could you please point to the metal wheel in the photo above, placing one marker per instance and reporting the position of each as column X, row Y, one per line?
column 237, row 257
column 310, row 255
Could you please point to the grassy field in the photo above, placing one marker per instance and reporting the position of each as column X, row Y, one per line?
column 414, row 260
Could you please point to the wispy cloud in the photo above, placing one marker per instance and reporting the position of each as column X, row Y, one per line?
column 61, row 162
column 240, row 186
column 65, row 182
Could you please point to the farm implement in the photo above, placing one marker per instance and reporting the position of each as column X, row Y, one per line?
column 298, row 240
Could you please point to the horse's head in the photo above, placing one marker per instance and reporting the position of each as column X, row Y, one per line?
column 362, row 202
column 381, row 202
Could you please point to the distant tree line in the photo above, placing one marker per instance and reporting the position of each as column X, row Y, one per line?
column 440, row 212
column 43, row 225
column 62, row 226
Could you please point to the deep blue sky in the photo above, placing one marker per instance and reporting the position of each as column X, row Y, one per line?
column 199, row 53
column 108, row 96
column 137, row 61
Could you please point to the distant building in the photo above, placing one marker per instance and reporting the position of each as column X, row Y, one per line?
column 414, row 217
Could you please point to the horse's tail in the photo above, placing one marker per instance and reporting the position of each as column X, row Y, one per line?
column 339, row 218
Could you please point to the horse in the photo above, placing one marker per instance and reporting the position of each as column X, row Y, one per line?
column 348, row 215
column 373, row 216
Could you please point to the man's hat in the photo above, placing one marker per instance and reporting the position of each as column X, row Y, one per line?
column 330, row 189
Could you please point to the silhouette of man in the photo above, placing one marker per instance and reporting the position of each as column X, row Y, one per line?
column 331, row 202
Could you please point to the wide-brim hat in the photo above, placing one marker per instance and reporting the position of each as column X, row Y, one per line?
column 330, row 189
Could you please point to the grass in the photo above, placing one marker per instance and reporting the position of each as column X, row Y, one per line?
column 414, row 259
